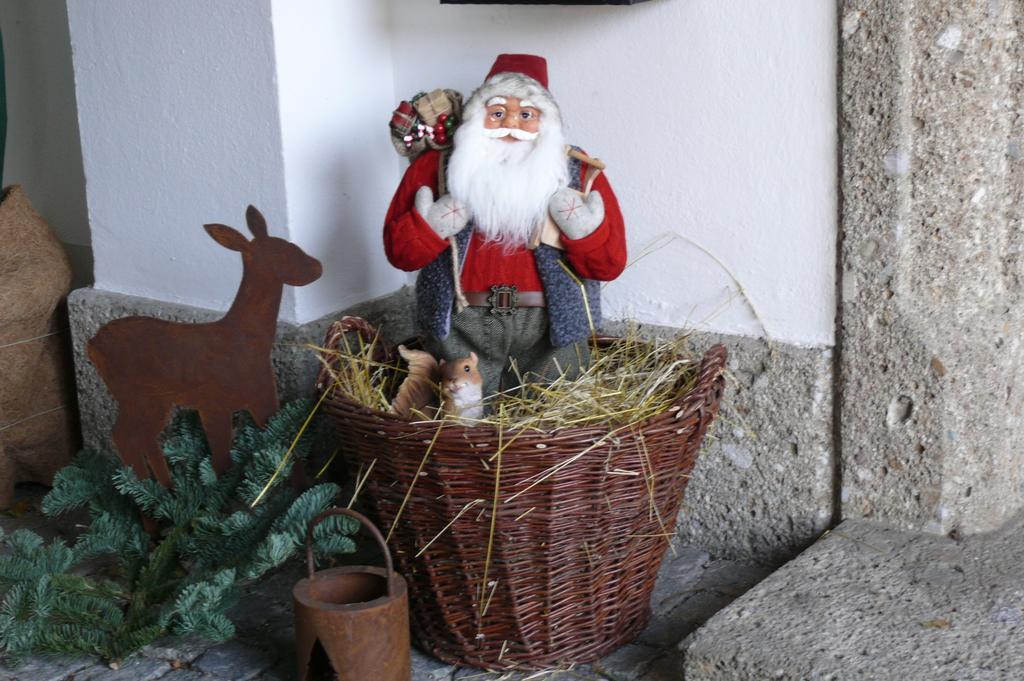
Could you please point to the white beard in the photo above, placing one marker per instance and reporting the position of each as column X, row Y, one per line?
column 507, row 185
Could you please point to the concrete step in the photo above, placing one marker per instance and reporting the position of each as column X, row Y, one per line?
column 869, row 602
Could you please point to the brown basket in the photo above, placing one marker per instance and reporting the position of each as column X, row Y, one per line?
column 572, row 559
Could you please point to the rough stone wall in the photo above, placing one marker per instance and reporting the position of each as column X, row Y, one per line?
column 931, row 377
column 762, row 488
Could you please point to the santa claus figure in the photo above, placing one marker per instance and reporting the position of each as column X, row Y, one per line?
column 509, row 174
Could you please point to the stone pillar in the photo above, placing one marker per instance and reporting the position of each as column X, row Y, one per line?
column 931, row 373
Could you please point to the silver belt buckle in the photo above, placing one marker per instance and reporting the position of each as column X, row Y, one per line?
column 503, row 299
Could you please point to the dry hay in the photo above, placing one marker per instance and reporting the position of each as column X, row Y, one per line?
column 629, row 380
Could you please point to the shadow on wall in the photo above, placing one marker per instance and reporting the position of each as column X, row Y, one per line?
column 340, row 166
column 44, row 152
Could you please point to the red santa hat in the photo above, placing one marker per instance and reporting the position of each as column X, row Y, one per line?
column 517, row 75
column 529, row 65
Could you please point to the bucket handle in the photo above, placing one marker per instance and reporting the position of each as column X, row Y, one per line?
column 365, row 522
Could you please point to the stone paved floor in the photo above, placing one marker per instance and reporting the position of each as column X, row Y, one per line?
column 692, row 587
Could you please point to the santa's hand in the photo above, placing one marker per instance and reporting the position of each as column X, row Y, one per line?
column 577, row 216
column 446, row 216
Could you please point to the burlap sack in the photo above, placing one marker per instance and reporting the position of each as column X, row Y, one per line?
column 38, row 425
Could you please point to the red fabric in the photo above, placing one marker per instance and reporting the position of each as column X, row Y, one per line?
column 527, row 64
column 410, row 244
column 488, row 263
column 601, row 255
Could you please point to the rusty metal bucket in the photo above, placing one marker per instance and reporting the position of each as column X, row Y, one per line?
column 351, row 621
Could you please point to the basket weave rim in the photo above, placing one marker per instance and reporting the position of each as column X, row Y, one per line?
column 708, row 368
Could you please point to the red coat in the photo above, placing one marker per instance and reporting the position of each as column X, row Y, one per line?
column 410, row 243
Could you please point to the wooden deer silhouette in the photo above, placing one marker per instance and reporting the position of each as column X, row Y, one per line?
column 151, row 365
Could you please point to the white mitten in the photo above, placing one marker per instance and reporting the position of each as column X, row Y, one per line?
column 577, row 216
column 446, row 216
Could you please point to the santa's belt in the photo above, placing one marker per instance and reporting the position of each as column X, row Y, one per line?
column 505, row 299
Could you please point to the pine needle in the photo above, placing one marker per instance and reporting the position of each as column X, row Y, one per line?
column 423, row 462
column 327, row 465
column 291, row 448
column 444, row 529
column 360, row 482
column 494, row 511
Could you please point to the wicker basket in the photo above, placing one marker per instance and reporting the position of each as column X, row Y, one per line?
column 565, row 575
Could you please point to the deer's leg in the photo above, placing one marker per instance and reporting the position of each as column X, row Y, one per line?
column 7, row 471
column 262, row 402
column 217, row 424
column 155, row 457
column 137, row 437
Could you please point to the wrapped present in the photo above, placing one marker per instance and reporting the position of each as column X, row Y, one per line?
column 404, row 120
column 433, row 104
column 426, row 121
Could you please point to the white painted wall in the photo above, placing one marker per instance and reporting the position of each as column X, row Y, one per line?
column 43, row 152
column 178, row 113
column 717, row 120
column 336, row 95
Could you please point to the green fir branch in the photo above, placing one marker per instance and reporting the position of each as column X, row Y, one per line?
column 182, row 579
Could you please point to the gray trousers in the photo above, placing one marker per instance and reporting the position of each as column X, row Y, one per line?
column 520, row 338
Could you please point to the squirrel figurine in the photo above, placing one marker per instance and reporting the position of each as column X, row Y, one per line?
column 418, row 392
column 462, row 388
column 460, row 382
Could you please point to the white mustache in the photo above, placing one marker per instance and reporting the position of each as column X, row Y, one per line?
column 497, row 133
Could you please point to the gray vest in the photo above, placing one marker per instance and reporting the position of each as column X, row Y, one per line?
column 567, row 312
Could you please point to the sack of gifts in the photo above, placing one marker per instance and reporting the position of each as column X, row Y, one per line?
column 427, row 121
